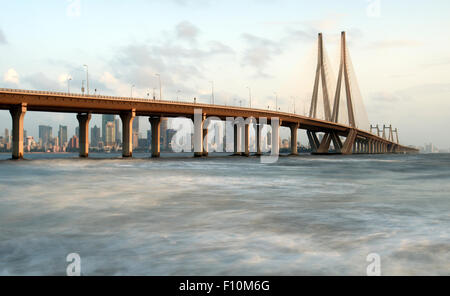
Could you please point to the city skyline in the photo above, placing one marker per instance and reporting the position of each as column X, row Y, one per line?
column 254, row 54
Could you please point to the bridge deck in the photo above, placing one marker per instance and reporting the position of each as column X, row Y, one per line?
column 96, row 104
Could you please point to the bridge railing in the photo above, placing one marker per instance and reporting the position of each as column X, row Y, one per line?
column 77, row 95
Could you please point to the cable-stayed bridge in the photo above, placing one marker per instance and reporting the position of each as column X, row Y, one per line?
column 337, row 122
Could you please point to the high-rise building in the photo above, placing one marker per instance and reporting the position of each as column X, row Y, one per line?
column 62, row 135
column 118, row 133
column 7, row 136
column 105, row 119
column 164, row 127
column 73, row 143
column 110, row 134
column 95, row 136
column 135, row 132
column 45, row 134
column 149, row 138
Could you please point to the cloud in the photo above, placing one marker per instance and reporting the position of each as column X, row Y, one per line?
column 2, row 38
column 187, row 31
column 41, row 82
column 11, row 76
column 178, row 63
column 259, row 52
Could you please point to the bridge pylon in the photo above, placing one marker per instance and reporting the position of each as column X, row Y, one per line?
column 324, row 146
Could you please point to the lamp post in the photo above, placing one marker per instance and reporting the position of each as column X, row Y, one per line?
column 293, row 101
column 87, row 77
column 250, row 95
column 160, row 88
column 132, row 86
column 212, row 92
column 68, row 84
column 276, row 101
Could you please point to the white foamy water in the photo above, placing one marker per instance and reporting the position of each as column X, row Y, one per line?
column 304, row 215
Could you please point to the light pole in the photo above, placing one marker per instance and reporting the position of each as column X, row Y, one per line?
column 212, row 92
column 160, row 88
column 276, row 101
column 68, row 84
column 87, row 77
column 132, row 90
column 293, row 101
column 250, row 95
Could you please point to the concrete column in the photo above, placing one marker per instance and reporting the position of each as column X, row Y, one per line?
column 155, row 123
column 17, row 115
column 258, row 139
column 127, row 132
column 83, row 121
column 294, row 138
column 276, row 139
column 246, row 140
column 205, row 136
column 237, row 140
column 199, row 120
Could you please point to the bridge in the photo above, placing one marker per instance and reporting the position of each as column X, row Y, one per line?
column 329, row 134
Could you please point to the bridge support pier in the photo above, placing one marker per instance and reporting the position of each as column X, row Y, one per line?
column 83, row 121
column 17, row 115
column 205, row 138
column 237, row 139
column 127, row 132
column 294, row 138
column 258, row 129
column 199, row 120
column 313, row 141
column 247, row 139
column 155, row 123
column 276, row 138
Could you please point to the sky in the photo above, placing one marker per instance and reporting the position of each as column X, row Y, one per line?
column 400, row 52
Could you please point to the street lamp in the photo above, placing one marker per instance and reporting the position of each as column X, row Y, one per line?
column 132, row 90
column 68, row 84
column 87, row 77
column 160, row 89
column 276, row 101
column 212, row 92
column 293, row 101
column 250, row 95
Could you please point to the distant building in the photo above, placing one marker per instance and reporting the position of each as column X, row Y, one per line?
column 164, row 127
column 105, row 119
column 45, row 134
column 62, row 136
column 135, row 133
column 110, row 134
column 74, row 143
column 149, row 138
column 6, row 139
column 118, row 133
column 95, row 136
